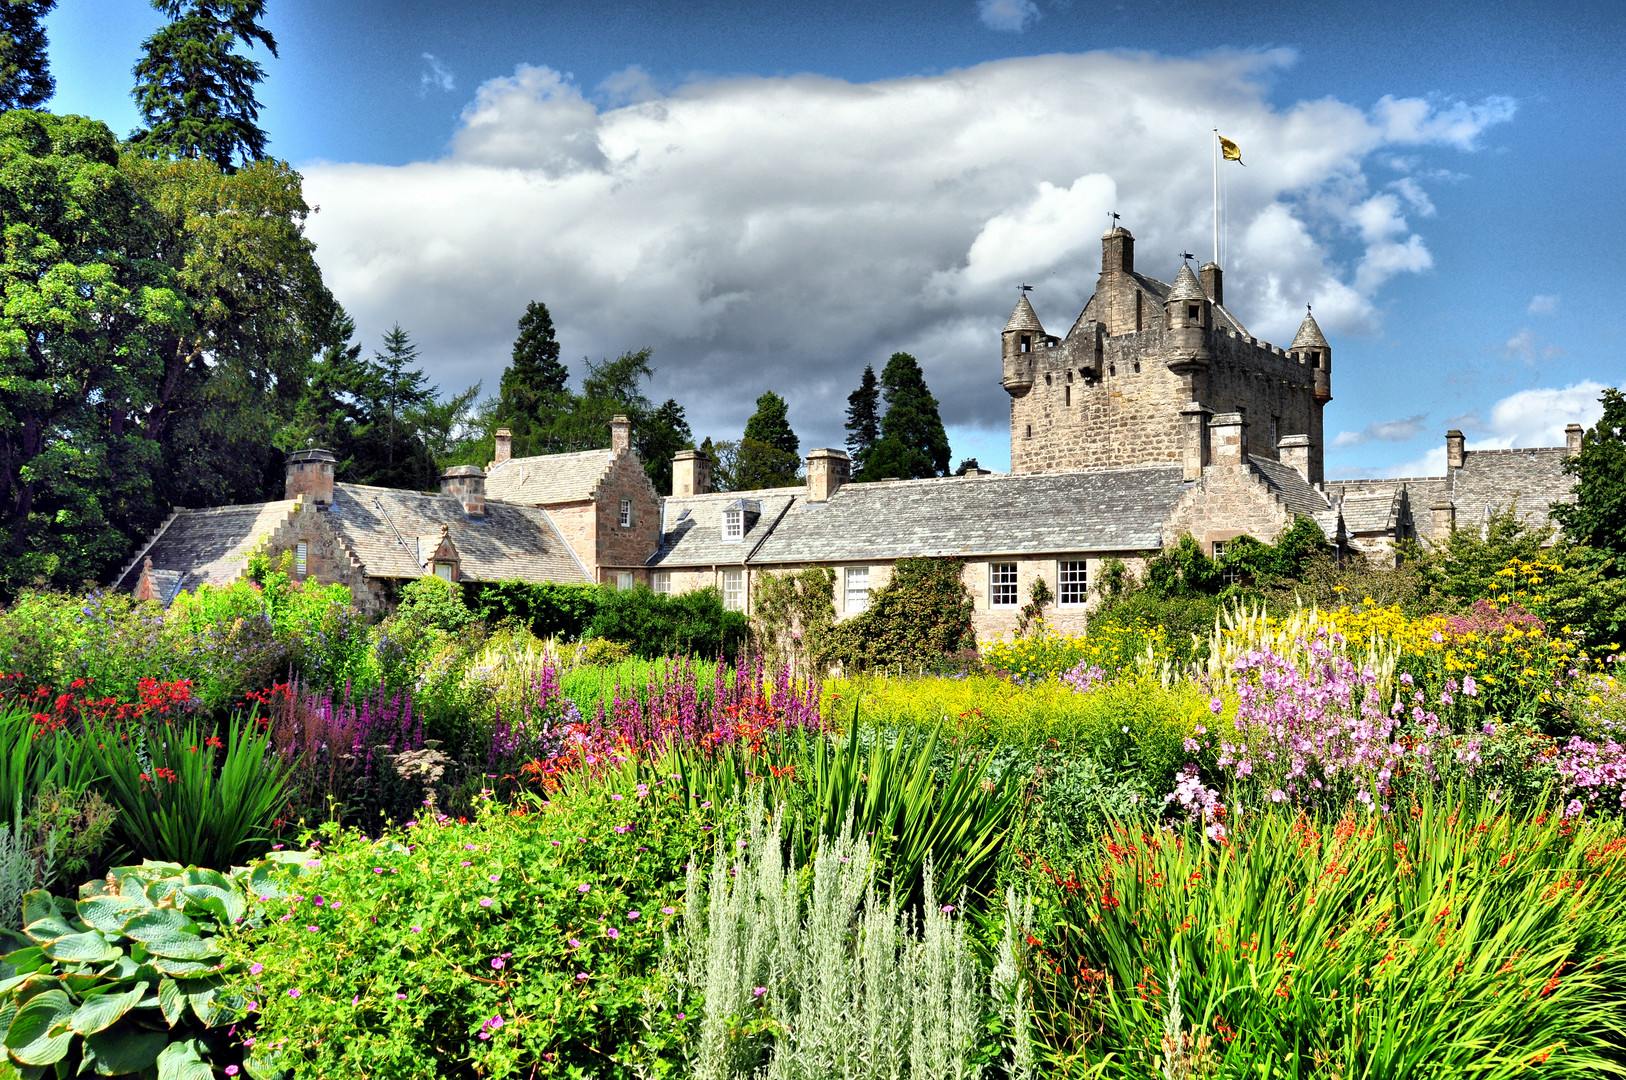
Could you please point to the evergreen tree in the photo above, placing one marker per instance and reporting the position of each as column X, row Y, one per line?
column 534, row 385
column 25, row 72
column 770, row 425
column 913, row 442
column 1597, row 517
column 195, row 93
column 661, row 435
column 863, row 419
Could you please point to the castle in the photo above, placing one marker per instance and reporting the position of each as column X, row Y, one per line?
column 1157, row 416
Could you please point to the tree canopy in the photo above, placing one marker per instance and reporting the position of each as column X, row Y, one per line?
column 863, row 419
column 25, row 70
column 913, row 443
column 535, row 386
column 194, row 90
column 1597, row 517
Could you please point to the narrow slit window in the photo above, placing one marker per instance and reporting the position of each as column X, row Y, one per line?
column 1067, row 395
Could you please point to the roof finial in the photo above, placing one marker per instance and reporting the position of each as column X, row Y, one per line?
column 1112, row 220
column 1186, row 256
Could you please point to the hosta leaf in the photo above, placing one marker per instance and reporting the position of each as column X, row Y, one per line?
column 160, row 924
column 87, row 948
column 11, row 940
column 109, row 913
column 171, row 1001
column 185, row 967
column 225, row 905
column 39, row 1033
column 38, row 905
column 180, row 1061
column 105, row 1010
column 199, row 875
column 126, row 1048
column 49, row 928
column 194, row 948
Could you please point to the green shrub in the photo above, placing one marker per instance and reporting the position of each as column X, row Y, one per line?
column 919, row 617
column 1181, row 624
column 548, row 610
column 186, row 795
column 651, row 625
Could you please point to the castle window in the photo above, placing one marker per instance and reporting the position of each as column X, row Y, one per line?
column 1194, row 312
column 734, row 590
column 1027, row 343
column 661, row 582
column 1137, row 367
column 623, row 579
column 1067, row 395
column 1112, row 369
column 1069, row 374
column 733, row 524
column 1047, row 378
column 1002, row 585
column 301, row 559
column 1072, row 583
column 1028, row 432
column 626, row 513
column 857, row 588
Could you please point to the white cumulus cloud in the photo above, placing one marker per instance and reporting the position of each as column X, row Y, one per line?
column 1014, row 16
column 1528, row 418
column 782, row 232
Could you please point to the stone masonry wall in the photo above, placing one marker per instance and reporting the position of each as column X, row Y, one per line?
column 327, row 560
column 615, row 547
column 577, row 524
column 1228, row 501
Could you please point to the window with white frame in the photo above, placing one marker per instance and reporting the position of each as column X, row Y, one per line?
column 626, row 513
column 1072, row 581
column 301, row 559
column 733, row 524
column 1002, row 584
column 623, row 579
column 446, row 571
column 661, row 582
column 734, row 590
column 857, row 588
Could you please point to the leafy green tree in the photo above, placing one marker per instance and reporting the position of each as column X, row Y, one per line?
column 913, row 442
column 1597, row 517
column 195, row 92
column 966, row 465
column 535, row 385
column 609, row 387
column 86, row 306
column 1466, row 566
column 402, row 457
column 770, row 424
column 25, row 72
column 863, row 419
column 661, row 435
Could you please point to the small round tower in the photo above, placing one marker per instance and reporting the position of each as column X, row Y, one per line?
column 1023, row 335
column 1188, row 317
column 1311, row 349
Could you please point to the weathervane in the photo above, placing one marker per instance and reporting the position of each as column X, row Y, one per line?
column 1112, row 219
column 1187, row 256
column 1024, row 288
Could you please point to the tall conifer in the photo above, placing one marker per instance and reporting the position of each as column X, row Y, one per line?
column 534, row 385
column 913, row 442
column 25, row 71
column 863, row 419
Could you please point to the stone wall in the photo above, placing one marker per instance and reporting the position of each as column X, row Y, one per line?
column 1229, row 501
column 577, row 523
column 614, row 547
column 327, row 560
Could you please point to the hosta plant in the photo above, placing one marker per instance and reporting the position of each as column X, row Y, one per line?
column 127, row 980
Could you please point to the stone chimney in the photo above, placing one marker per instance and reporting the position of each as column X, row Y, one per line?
column 1118, row 251
column 620, row 433
column 827, row 469
column 1213, row 282
column 310, row 472
column 1572, row 438
column 1194, row 440
column 1294, row 452
column 1445, row 517
column 1228, row 439
column 1454, row 450
column 505, row 446
column 691, row 473
column 466, row 484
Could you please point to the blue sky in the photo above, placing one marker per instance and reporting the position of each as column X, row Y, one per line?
column 773, row 195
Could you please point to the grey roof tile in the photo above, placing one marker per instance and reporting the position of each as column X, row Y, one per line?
column 1002, row 514
column 1531, row 479
column 209, row 546
column 548, row 479
column 1309, row 335
column 1024, row 317
column 1294, row 490
column 692, row 527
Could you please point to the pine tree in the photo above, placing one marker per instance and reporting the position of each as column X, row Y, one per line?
column 25, row 71
column 661, row 435
column 195, row 93
column 770, row 424
column 913, row 442
column 1597, row 517
column 533, row 386
column 863, row 419
column 403, row 389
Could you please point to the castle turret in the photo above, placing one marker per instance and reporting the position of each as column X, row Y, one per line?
column 1023, row 334
column 1188, row 318
column 1310, row 348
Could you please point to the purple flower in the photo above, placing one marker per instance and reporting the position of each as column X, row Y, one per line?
column 634, row 914
column 612, row 933
column 668, row 911
column 581, row 976
column 293, row 993
column 574, row 944
column 497, row 963
column 759, row 991
column 417, row 929
column 255, row 968
column 495, row 877
column 1470, row 687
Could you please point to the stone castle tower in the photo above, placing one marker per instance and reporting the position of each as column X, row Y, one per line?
column 1146, row 366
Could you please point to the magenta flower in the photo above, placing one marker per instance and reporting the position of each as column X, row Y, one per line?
column 581, row 976
column 293, row 993
column 495, row 877
column 310, row 929
column 417, row 929
column 497, row 963
column 612, row 933
column 231, row 1070
column 574, row 944
column 668, row 911
column 583, row 889
column 256, row 968
column 759, row 991
column 485, row 901
column 634, row 914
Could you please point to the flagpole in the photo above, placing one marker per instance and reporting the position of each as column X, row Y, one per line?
column 1216, row 196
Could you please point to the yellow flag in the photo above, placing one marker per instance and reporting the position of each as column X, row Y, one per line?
column 1230, row 151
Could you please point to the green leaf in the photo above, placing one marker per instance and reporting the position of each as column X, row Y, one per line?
column 226, row 906
column 126, row 1048
column 49, row 928
column 38, row 905
column 185, row 967
column 180, row 1061
column 87, row 948
column 39, row 1034
column 109, row 913
column 105, row 1010
column 160, row 925
column 171, row 1001
column 185, row 948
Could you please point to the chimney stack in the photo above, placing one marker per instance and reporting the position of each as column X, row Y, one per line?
column 1118, row 251
column 1228, row 439
column 1572, row 439
column 466, row 484
column 691, row 473
column 1294, row 452
column 505, row 446
column 310, row 472
column 827, row 469
column 1454, row 449
column 1445, row 518
column 620, row 433
column 1213, row 279
column 1194, row 440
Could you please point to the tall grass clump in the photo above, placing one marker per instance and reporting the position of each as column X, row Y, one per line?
column 841, row 985
column 1436, row 941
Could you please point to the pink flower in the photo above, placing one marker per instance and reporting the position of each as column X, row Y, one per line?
column 495, row 877
column 231, row 1070
column 574, row 944
column 485, row 901
column 668, row 911
column 293, row 993
column 497, row 963
column 417, row 929
column 634, row 914
column 581, row 976
column 255, row 969
column 612, row 933
column 583, row 889
column 759, row 991
column 311, row 929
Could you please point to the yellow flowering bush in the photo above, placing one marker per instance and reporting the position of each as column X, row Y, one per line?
column 1045, row 654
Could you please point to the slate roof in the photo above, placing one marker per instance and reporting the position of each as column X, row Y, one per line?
column 199, row 547
column 1186, row 286
column 1024, row 317
column 1294, row 490
column 1000, row 514
column 692, row 527
column 1378, row 512
column 1532, row 479
column 548, row 479
column 383, row 527
column 1309, row 335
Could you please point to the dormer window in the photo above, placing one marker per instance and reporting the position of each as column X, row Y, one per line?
column 446, row 571
column 1027, row 343
column 733, row 524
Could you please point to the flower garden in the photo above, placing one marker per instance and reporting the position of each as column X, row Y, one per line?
column 254, row 836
